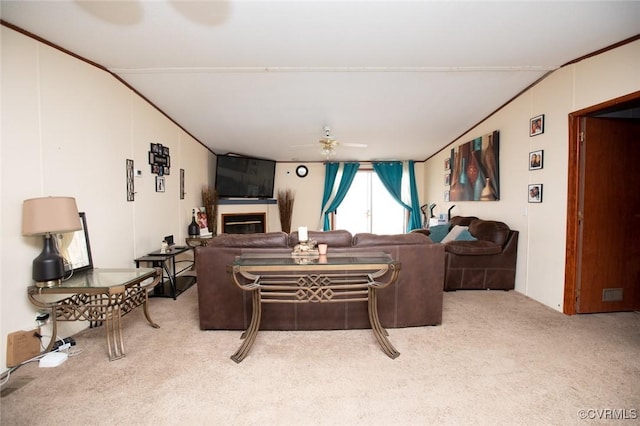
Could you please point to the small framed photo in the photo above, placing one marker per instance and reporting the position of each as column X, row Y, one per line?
column 447, row 179
column 446, row 196
column 447, row 163
column 160, row 184
column 535, row 193
column 535, row 159
column 536, row 126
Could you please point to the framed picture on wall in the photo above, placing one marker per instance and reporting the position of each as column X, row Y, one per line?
column 535, row 159
column 535, row 193
column 536, row 125
column 160, row 184
column 182, row 184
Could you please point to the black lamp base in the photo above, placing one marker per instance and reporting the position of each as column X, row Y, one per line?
column 193, row 229
column 48, row 267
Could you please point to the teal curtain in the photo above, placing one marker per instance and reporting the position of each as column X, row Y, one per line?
column 348, row 173
column 415, row 221
column 390, row 174
column 330, row 173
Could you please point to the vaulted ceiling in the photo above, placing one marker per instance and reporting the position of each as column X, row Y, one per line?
column 263, row 78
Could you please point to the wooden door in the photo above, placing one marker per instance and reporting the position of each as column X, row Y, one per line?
column 609, row 210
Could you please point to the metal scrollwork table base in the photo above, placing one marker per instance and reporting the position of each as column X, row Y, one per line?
column 338, row 278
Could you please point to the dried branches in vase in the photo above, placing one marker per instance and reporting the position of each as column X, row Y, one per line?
column 210, row 202
column 285, row 208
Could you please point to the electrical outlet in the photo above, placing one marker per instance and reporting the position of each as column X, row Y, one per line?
column 22, row 345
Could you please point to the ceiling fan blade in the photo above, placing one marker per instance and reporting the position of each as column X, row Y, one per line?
column 306, row 145
column 355, row 145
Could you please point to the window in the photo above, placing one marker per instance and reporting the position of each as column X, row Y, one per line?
column 368, row 207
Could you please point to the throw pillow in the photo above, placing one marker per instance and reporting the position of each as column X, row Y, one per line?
column 453, row 234
column 438, row 232
column 465, row 235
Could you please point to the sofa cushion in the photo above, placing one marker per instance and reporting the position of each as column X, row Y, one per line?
column 269, row 239
column 461, row 220
column 365, row 239
column 422, row 231
column 473, row 248
column 490, row 230
column 337, row 238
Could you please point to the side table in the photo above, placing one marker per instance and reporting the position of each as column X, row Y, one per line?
column 168, row 264
column 103, row 295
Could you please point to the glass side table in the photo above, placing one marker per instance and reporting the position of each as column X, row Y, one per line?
column 99, row 295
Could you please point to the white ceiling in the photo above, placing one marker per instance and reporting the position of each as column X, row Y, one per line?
column 260, row 77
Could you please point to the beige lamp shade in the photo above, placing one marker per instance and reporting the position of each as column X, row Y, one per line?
column 50, row 215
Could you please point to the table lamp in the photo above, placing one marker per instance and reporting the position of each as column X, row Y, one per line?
column 46, row 216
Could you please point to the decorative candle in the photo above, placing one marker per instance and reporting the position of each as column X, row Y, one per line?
column 302, row 233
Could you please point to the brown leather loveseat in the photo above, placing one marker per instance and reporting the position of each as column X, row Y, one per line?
column 414, row 300
column 486, row 263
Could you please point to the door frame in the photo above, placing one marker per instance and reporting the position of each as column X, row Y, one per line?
column 573, row 193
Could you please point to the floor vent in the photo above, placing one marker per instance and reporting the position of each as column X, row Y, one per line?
column 612, row 295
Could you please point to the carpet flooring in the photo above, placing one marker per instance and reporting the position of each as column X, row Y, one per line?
column 499, row 358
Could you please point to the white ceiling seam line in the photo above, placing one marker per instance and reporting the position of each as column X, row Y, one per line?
column 208, row 70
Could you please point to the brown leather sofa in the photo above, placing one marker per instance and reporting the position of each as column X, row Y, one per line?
column 487, row 263
column 414, row 300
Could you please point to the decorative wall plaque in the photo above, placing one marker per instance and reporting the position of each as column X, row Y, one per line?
column 130, row 187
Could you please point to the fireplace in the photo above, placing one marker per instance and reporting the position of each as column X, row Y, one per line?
column 244, row 223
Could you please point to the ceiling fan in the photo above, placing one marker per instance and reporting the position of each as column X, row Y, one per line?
column 328, row 144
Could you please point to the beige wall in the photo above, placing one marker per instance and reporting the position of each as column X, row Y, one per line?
column 67, row 129
column 541, row 249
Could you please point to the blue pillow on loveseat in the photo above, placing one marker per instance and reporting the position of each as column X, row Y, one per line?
column 438, row 232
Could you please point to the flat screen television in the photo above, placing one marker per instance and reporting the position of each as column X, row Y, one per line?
column 244, row 177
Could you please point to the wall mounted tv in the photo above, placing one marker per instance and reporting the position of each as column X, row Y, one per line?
column 244, row 177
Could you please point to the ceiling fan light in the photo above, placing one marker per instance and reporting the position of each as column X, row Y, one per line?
column 327, row 151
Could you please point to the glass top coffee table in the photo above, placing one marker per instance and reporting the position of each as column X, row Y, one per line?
column 334, row 278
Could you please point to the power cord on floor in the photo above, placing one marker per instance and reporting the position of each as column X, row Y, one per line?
column 4, row 379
